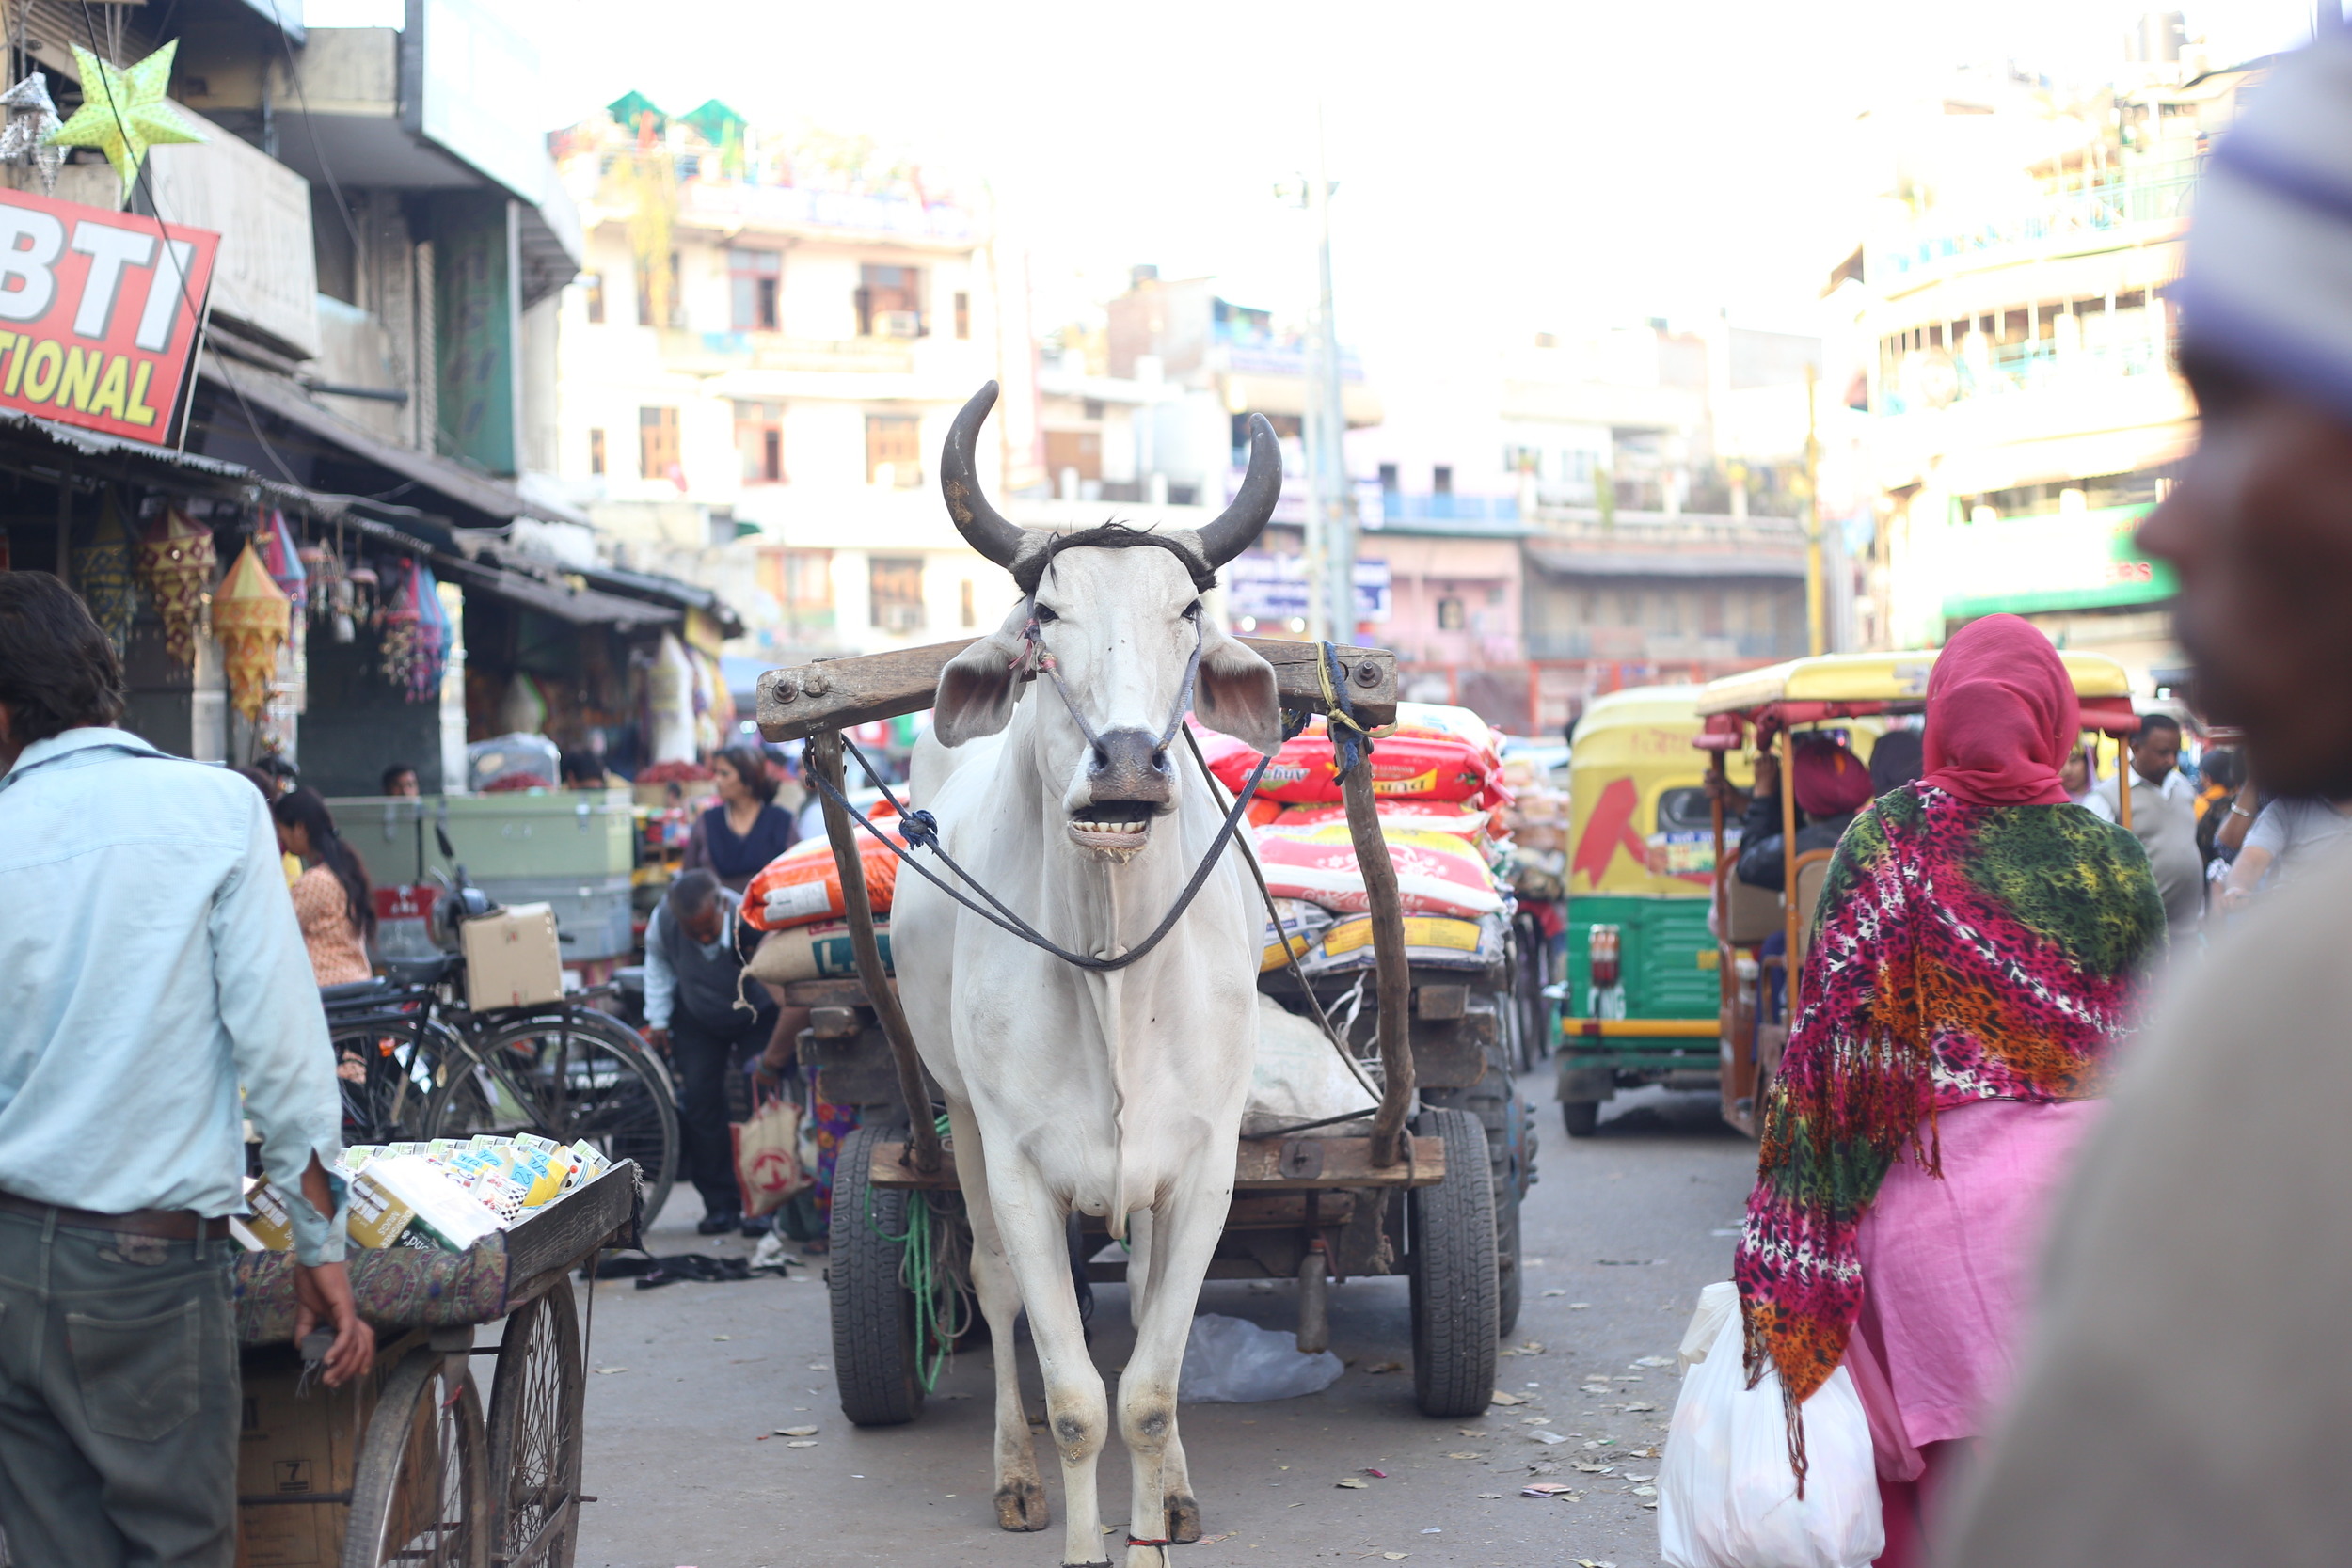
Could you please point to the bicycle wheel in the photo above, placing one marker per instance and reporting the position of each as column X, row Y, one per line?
column 583, row 1078
column 535, row 1434
column 419, row 1494
column 387, row 1102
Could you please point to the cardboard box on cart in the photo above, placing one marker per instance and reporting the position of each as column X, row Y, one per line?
column 291, row 1447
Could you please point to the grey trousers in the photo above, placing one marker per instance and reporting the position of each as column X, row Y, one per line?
column 119, row 1399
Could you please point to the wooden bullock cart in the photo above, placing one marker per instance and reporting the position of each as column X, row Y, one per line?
column 1416, row 1198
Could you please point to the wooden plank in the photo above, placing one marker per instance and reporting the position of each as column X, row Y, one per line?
column 557, row 1237
column 825, row 994
column 1257, row 1166
column 833, row 694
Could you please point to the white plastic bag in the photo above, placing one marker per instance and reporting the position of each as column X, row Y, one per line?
column 1726, row 1497
column 1233, row 1361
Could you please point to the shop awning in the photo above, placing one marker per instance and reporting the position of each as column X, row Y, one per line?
column 580, row 606
column 281, row 399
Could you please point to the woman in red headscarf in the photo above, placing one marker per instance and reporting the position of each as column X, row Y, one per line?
column 1981, row 945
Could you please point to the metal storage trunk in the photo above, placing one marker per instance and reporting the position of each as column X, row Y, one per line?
column 591, row 913
column 579, row 833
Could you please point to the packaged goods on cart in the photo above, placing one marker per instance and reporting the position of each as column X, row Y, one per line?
column 1302, row 922
column 446, row 1193
column 818, row 950
column 802, row 885
column 1435, row 754
column 1436, row 873
column 1431, row 942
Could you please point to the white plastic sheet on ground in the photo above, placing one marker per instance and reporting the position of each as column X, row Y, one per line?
column 1726, row 1496
column 1233, row 1361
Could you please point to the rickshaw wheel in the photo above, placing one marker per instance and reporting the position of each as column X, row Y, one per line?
column 1452, row 1273
column 873, row 1312
column 1581, row 1118
column 535, row 1434
column 420, row 1491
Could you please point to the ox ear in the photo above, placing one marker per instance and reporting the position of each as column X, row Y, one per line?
column 1236, row 695
column 978, row 688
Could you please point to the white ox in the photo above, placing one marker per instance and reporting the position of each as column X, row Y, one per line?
column 1115, row 1094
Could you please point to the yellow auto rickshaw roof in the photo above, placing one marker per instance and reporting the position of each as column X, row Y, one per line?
column 1641, row 704
column 1892, row 678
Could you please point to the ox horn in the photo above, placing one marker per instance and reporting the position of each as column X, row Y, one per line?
column 1238, row 526
column 982, row 527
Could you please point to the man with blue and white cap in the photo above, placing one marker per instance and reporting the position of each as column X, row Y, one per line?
column 2189, row 1397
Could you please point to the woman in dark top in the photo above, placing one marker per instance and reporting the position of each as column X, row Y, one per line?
column 746, row 829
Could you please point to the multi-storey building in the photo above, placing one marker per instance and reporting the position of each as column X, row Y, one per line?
column 759, row 362
column 2024, row 409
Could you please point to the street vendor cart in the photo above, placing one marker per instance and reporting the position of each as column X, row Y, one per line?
column 403, row 1466
column 1420, row 1198
column 1766, row 709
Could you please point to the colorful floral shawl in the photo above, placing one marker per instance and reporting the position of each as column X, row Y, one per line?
column 1962, row 952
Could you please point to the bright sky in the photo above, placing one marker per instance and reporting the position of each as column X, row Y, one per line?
column 1500, row 162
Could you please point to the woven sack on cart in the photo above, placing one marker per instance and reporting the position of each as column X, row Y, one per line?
column 395, row 1287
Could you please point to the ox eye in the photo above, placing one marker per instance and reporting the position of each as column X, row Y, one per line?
column 1045, row 615
column 1192, row 611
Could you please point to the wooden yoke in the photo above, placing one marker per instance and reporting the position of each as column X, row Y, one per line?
column 824, row 757
column 1394, row 984
column 834, row 695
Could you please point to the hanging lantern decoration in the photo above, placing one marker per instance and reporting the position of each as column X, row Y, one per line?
column 124, row 111
column 175, row 567
column 434, row 635
column 366, row 594
column 102, row 570
column 396, row 623
column 283, row 561
column 32, row 116
column 252, row 617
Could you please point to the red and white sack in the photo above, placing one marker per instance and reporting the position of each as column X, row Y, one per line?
column 802, row 885
column 1436, row 873
column 1435, row 817
column 1436, row 753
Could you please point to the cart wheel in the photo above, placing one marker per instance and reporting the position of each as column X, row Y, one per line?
column 1508, row 1277
column 419, row 1493
column 1581, row 1117
column 873, row 1311
column 534, row 1435
column 1453, row 1279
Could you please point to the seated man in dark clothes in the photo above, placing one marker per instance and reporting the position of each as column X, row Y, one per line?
column 1896, row 760
column 1832, row 785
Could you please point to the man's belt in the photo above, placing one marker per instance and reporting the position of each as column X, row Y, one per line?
column 171, row 1225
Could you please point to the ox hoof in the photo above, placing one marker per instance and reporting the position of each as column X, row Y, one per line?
column 1020, row 1505
column 1184, row 1518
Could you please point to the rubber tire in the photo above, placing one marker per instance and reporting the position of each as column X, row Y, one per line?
column 381, row 1480
column 1581, row 1117
column 873, row 1312
column 1507, row 1280
column 536, row 1398
column 1452, row 1273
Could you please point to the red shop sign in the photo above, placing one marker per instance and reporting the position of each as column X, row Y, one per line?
column 99, row 315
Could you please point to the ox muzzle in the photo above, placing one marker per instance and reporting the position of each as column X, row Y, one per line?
column 1130, row 779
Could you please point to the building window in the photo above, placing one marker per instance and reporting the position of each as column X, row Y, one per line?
column 971, row 611
column 894, row 586
column 1450, row 616
column 964, row 315
column 894, row 450
column 657, row 447
column 890, row 302
column 1442, row 479
column 753, row 277
column 1387, row 479
column 594, row 284
column 1081, row 450
column 596, row 450
column 759, row 441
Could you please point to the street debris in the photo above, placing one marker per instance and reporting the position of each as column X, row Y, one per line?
column 1352, row 1482
column 1501, row 1397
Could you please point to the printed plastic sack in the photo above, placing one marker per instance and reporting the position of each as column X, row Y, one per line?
column 1726, row 1497
column 768, row 1156
column 1298, row 1078
column 1435, row 816
column 1230, row 1361
column 1431, row 942
column 1302, row 922
column 801, row 885
column 818, row 950
column 1436, row 873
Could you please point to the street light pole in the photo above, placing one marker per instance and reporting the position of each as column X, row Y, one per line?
column 1331, row 527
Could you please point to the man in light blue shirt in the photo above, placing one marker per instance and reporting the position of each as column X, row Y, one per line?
column 149, row 966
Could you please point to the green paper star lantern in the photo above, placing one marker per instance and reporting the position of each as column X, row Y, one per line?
column 124, row 112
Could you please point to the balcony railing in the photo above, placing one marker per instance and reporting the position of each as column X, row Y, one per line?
column 1635, row 643
column 1396, row 507
column 1933, row 378
column 2121, row 202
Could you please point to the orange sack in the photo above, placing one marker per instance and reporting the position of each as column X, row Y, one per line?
column 802, row 884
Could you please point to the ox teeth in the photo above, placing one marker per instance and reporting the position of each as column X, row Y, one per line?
column 1109, row 827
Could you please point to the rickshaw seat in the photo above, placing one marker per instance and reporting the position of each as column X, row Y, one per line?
column 1810, row 871
column 1751, row 912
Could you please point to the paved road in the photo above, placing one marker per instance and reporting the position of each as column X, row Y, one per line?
column 1622, row 1230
